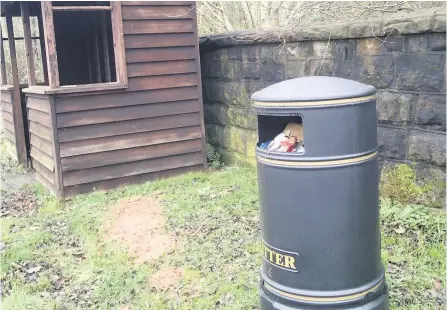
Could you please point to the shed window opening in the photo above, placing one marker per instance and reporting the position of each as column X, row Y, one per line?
column 283, row 134
column 84, row 43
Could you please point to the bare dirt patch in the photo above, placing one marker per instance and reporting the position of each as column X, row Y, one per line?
column 138, row 223
column 166, row 279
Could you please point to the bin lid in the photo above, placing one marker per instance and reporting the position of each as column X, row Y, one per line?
column 313, row 88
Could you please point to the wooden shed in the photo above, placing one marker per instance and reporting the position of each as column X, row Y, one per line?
column 121, row 97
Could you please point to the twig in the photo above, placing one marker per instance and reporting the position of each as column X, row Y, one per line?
column 175, row 16
column 325, row 52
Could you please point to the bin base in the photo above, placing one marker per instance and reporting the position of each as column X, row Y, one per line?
column 380, row 302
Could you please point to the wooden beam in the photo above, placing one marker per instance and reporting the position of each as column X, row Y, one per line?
column 28, row 43
column 105, row 44
column 82, row 8
column 118, row 42
column 20, row 38
column 3, row 64
column 43, row 52
column 50, row 44
column 56, row 149
column 16, row 100
column 199, row 84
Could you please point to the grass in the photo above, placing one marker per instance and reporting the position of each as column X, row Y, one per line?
column 215, row 218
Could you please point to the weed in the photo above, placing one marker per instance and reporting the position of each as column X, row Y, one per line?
column 213, row 157
column 399, row 184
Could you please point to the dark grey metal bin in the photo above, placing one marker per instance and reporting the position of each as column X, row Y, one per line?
column 320, row 208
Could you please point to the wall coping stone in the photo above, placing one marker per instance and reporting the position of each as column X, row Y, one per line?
column 422, row 21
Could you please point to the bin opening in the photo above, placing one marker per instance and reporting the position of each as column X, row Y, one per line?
column 281, row 133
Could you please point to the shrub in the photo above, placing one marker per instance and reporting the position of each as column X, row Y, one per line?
column 213, row 157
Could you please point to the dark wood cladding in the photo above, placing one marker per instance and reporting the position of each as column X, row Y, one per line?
column 161, row 68
column 127, row 141
column 159, row 40
column 128, row 155
column 40, row 126
column 139, row 12
column 123, row 181
column 126, row 113
column 129, row 127
column 8, row 123
column 160, row 54
column 112, row 100
column 153, row 128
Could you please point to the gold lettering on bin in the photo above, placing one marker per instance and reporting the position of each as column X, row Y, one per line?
column 279, row 258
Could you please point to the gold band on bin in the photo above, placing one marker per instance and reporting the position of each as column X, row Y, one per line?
column 323, row 299
column 313, row 103
column 316, row 163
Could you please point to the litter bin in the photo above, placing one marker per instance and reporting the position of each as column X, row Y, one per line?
column 319, row 200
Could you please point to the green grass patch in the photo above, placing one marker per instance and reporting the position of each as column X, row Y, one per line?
column 215, row 218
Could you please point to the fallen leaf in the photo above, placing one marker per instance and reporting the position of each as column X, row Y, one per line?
column 34, row 269
column 438, row 286
column 400, row 230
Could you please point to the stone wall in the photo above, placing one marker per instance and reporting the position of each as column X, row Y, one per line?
column 403, row 57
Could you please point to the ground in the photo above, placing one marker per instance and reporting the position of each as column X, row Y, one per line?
column 84, row 254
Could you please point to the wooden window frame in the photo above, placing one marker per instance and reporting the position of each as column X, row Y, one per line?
column 51, row 52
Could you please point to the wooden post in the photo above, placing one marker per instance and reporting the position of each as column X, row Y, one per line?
column 3, row 64
column 50, row 43
column 28, row 43
column 118, row 42
column 16, row 100
column 42, row 50
column 96, row 51
column 89, row 60
column 105, row 44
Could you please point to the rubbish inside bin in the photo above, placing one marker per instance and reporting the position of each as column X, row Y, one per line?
column 290, row 140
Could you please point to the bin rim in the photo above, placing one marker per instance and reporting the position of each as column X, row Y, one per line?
column 315, row 90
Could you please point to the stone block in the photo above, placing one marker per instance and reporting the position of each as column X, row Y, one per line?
column 230, row 157
column 430, row 111
column 408, row 25
column 436, row 42
column 272, row 71
column 394, row 107
column 427, row 188
column 235, row 53
column 242, row 117
column 251, row 142
column 251, row 53
column 214, row 91
column 343, row 58
column 426, row 146
column 420, row 72
column 251, row 71
column 214, row 134
column 216, row 114
column 301, row 49
column 211, row 69
column 231, row 70
column 374, row 46
column 416, row 44
column 375, row 70
column 273, row 53
column 322, row 48
column 296, row 68
column 320, row 67
column 235, row 93
column 433, row 178
column 233, row 138
column 392, row 142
